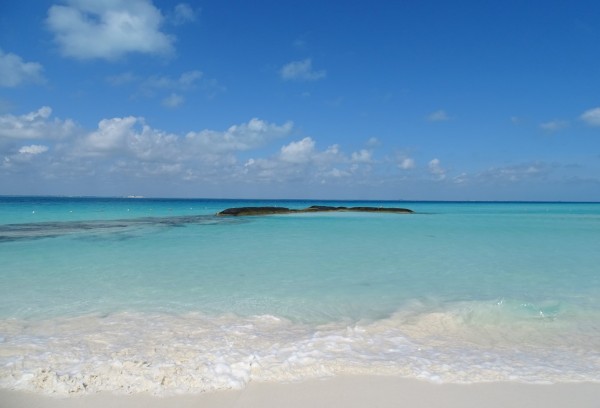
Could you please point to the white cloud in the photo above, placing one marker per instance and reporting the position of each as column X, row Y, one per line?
column 436, row 169
column 362, row 156
column 554, row 125
column 132, row 137
column 87, row 29
column 438, row 116
column 299, row 161
column 124, row 150
column 242, row 137
column 34, row 125
column 591, row 117
column 14, row 71
column 301, row 71
column 406, row 163
column 298, row 152
column 128, row 148
column 112, row 135
column 33, row 149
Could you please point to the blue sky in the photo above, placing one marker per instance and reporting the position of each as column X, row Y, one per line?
column 468, row 100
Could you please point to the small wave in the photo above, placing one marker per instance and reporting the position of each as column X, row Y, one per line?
column 164, row 353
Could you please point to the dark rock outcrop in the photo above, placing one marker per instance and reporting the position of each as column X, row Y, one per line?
column 255, row 211
column 240, row 211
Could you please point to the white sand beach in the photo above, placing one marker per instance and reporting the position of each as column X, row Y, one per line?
column 348, row 391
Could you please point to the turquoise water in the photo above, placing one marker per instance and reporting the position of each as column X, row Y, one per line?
column 163, row 296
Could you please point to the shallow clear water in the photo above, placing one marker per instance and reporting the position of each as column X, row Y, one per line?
column 163, row 296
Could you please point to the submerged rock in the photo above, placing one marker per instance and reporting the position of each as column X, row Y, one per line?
column 240, row 211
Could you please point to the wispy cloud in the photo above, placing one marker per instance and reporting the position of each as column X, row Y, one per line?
column 554, row 125
column 108, row 30
column 516, row 172
column 170, row 89
column 301, row 71
column 438, row 116
column 516, row 120
column 436, row 170
column 173, row 101
column 185, row 82
column 14, row 71
column 591, row 117
column 184, row 13
column 122, row 79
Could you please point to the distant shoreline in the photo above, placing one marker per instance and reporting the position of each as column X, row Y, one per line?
column 324, row 200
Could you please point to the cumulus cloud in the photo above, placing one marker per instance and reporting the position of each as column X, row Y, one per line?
column 299, row 161
column 14, row 71
column 301, row 71
column 34, row 125
column 242, row 137
column 438, row 116
column 112, row 135
column 554, row 125
column 132, row 138
column 591, row 117
column 127, row 148
column 298, row 152
column 87, row 29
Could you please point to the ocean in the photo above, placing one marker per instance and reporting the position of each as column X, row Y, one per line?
column 162, row 296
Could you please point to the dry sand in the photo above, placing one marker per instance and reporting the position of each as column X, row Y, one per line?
column 350, row 392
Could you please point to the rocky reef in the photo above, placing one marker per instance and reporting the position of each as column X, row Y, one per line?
column 241, row 211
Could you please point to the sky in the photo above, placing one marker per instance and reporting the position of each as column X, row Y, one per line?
column 339, row 99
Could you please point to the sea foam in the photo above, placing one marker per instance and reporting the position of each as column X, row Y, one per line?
column 166, row 354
